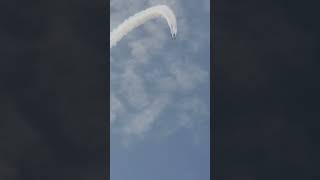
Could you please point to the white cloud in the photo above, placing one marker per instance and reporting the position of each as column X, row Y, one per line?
column 143, row 121
column 116, row 107
column 152, row 75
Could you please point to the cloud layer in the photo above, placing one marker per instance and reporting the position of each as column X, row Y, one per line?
column 156, row 83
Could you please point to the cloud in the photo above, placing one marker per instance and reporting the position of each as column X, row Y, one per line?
column 153, row 78
column 143, row 121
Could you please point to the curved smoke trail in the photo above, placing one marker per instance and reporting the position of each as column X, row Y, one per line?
column 138, row 19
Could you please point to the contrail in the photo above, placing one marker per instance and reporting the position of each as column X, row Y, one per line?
column 140, row 18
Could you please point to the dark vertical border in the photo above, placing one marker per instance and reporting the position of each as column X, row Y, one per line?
column 54, row 90
column 265, row 89
column 212, row 92
column 108, row 86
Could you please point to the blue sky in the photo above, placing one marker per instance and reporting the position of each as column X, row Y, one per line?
column 160, row 113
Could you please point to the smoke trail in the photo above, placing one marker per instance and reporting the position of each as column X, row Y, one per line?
column 138, row 19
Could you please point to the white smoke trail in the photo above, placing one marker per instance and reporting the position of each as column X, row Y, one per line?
column 138, row 19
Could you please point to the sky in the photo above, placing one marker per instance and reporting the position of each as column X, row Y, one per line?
column 53, row 91
column 160, row 107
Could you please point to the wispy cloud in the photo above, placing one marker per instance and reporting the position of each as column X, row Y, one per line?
column 143, row 121
column 153, row 77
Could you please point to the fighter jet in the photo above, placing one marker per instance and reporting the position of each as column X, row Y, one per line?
column 174, row 35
